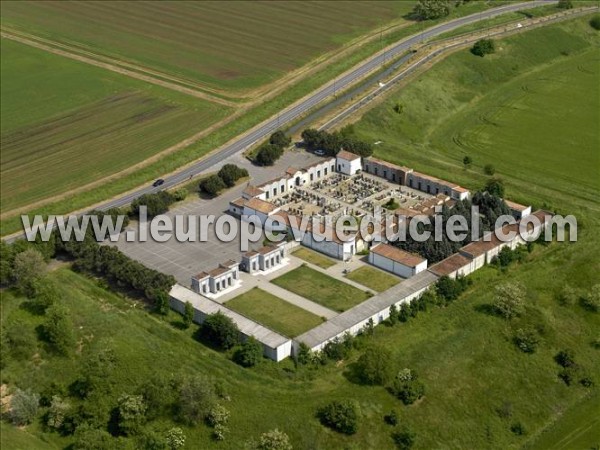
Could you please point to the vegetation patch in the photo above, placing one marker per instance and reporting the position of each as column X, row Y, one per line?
column 373, row 278
column 321, row 288
column 273, row 312
column 313, row 257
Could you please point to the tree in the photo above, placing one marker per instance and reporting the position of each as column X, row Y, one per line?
column 431, row 9
column 58, row 329
column 267, row 154
column 28, row 267
column 220, row 330
column 218, row 415
column 495, row 187
column 175, row 438
column 273, row 440
column 188, row 314
column 509, row 300
column 196, row 399
column 375, row 366
column 595, row 22
column 483, row 47
column 393, row 317
column 404, row 439
column 398, row 108
column 279, row 139
column 161, row 303
column 467, row 161
column 489, row 169
column 57, row 412
column 250, row 353
column 23, row 407
column 230, row 173
column 526, row 339
column 305, row 354
column 341, row 416
column 97, row 365
column 89, row 438
column 44, row 293
column 7, row 258
column 156, row 203
column 565, row 4
column 132, row 413
column 407, row 386
column 20, row 340
column 450, row 289
column 212, row 185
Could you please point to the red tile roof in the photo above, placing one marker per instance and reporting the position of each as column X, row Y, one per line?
column 397, row 255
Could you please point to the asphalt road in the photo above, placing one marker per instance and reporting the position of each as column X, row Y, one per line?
column 293, row 112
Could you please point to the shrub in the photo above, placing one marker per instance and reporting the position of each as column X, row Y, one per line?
column 483, row 47
column 58, row 329
column 595, row 22
column 249, row 354
column 280, row 139
column 449, row 289
column 230, row 173
column 565, row 4
column 196, row 400
column 407, row 387
column 565, row 358
column 467, row 161
column 338, row 349
column 393, row 317
column 404, row 439
column 212, row 185
column 431, row 9
column 569, row 374
column 23, row 407
column 489, row 169
column 219, row 432
column 220, row 331
column 591, row 301
column 217, row 415
column 180, row 194
column 268, row 154
column 132, row 413
column 526, row 340
column 509, row 300
column 156, row 203
column 188, row 314
column 341, row 416
column 391, row 418
column 89, row 438
column 375, row 366
column 518, row 429
column 28, row 267
column 568, row 296
column 44, row 294
column 175, row 438
column 273, row 440
column 57, row 412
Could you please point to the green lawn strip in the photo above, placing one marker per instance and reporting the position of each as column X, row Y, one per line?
column 372, row 278
column 273, row 312
column 313, row 257
column 321, row 288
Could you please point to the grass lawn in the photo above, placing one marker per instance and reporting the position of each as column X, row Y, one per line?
column 234, row 45
column 65, row 123
column 313, row 257
column 375, row 279
column 321, row 288
column 274, row 312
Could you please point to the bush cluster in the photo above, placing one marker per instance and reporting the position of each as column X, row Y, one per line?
column 332, row 143
column 483, row 47
column 341, row 416
column 227, row 176
column 272, row 150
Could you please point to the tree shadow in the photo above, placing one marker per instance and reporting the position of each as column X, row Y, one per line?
column 352, row 374
column 178, row 324
column 32, row 308
column 487, row 309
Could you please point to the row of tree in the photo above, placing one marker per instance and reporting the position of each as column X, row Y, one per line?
column 271, row 151
column 332, row 143
column 227, row 176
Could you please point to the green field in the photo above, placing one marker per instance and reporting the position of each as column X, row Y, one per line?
column 65, row 123
column 313, row 257
column 372, row 278
column 230, row 45
column 274, row 312
column 498, row 111
column 321, row 288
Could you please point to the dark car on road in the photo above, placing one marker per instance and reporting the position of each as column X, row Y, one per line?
column 158, row 182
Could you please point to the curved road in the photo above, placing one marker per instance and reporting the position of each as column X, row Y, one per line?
column 321, row 94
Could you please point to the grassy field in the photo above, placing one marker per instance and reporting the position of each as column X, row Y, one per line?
column 313, row 257
column 274, row 312
column 465, row 357
column 233, row 45
column 65, row 123
column 321, row 288
column 372, row 278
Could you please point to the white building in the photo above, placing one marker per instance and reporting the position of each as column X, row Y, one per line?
column 263, row 259
column 347, row 163
column 217, row 280
column 397, row 261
